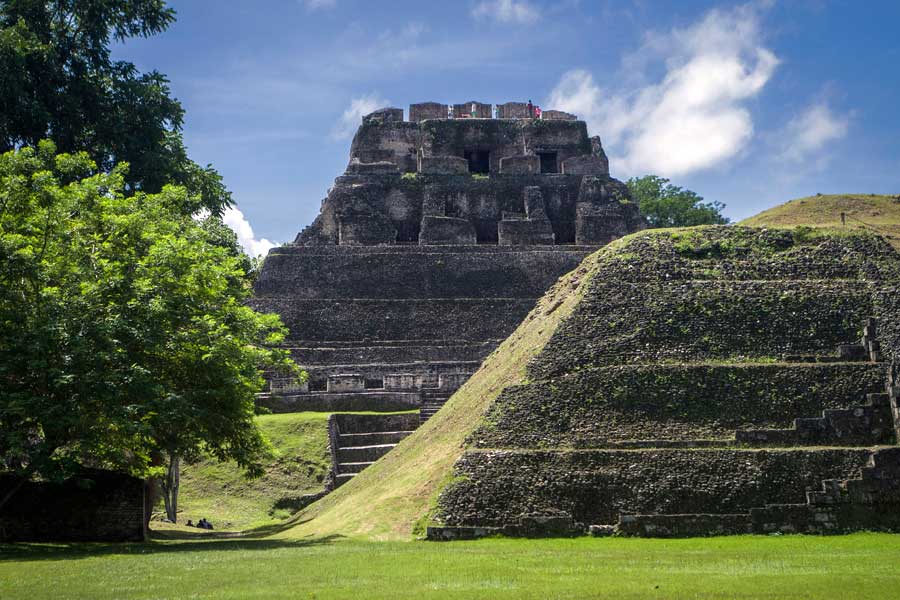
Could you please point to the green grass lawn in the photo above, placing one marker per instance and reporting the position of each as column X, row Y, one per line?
column 220, row 492
column 856, row 566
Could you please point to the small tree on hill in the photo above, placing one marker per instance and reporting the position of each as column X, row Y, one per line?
column 667, row 205
column 125, row 338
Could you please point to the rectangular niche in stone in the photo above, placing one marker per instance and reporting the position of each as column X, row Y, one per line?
column 548, row 162
column 479, row 161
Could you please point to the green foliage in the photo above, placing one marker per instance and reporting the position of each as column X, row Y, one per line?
column 124, row 332
column 667, row 205
column 58, row 81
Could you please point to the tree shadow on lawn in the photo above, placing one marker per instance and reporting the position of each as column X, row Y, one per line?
column 183, row 542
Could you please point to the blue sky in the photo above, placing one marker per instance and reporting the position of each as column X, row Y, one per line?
column 748, row 104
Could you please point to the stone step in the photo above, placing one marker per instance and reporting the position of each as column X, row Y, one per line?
column 351, row 454
column 868, row 423
column 353, row 467
column 343, row 478
column 374, row 438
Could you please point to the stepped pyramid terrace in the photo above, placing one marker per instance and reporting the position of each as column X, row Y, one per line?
column 429, row 250
column 708, row 380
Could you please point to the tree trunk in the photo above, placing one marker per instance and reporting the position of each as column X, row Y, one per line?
column 170, row 487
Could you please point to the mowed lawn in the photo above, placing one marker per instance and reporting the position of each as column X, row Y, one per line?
column 856, row 566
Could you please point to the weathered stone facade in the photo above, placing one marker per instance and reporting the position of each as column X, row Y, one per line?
column 431, row 248
column 710, row 381
column 96, row 506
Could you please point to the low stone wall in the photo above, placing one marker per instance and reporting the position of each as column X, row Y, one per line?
column 494, row 488
column 402, row 357
column 461, row 319
column 415, row 272
column 97, row 506
column 594, row 407
column 350, row 401
column 366, row 423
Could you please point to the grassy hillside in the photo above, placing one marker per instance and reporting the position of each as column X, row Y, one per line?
column 389, row 499
column 220, row 493
column 875, row 213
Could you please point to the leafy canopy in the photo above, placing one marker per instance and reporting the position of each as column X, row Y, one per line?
column 58, row 81
column 667, row 205
column 124, row 331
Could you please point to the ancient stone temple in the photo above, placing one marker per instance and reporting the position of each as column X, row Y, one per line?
column 429, row 250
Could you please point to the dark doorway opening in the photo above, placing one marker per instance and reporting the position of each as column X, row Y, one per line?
column 407, row 232
column 548, row 162
column 479, row 161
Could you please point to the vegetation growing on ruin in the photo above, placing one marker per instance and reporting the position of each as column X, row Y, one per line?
column 869, row 212
column 860, row 566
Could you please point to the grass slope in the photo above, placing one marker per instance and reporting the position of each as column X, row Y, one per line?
column 872, row 212
column 860, row 566
column 388, row 499
column 220, row 492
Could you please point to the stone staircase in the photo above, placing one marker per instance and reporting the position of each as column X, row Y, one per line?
column 867, row 424
column 357, row 441
column 432, row 401
column 869, row 501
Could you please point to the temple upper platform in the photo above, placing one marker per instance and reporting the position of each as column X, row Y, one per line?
column 472, row 174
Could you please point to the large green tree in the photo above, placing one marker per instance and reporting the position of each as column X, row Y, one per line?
column 58, row 81
column 666, row 205
column 125, row 337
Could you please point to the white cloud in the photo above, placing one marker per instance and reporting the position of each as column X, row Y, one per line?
column 810, row 131
column 691, row 118
column 317, row 4
column 352, row 117
column 506, row 11
column 235, row 219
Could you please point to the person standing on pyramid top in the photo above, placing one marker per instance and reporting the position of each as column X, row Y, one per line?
column 530, row 109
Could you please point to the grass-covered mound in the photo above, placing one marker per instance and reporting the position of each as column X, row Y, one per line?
column 679, row 340
column 220, row 492
column 863, row 211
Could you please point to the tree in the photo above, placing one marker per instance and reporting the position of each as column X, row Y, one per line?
column 58, row 81
column 667, row 205
column 125, row 338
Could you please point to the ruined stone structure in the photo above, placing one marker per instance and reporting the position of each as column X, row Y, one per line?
column 715, row 380
column 430, row 249
column 95, row 506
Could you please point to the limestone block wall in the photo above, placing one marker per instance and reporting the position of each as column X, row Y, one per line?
column 597, row 407
column 725, row 372
column 97, row 506
column 595, row 486
column 404, row 272
column 403, row 201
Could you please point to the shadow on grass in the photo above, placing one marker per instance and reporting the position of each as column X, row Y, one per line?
column 185, row 542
